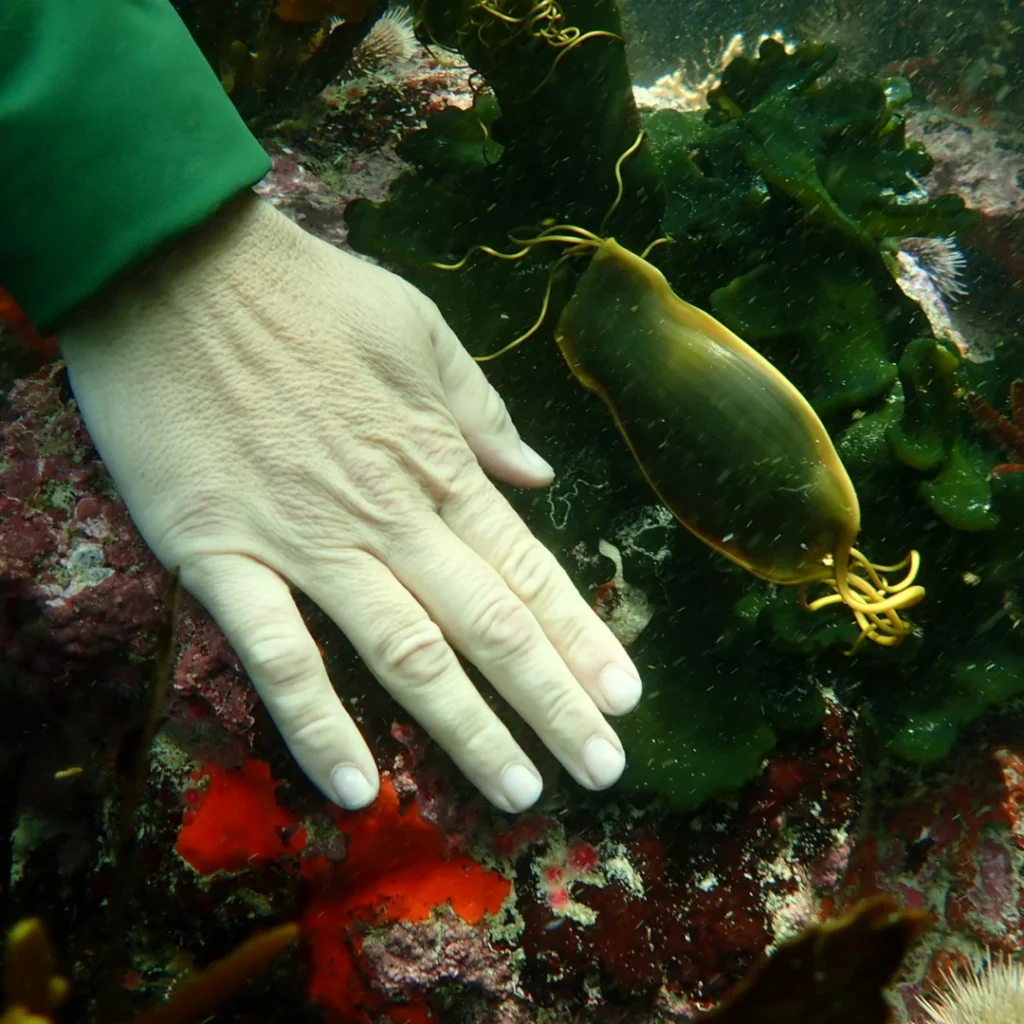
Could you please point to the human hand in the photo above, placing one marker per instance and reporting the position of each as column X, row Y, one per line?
column 277, row 412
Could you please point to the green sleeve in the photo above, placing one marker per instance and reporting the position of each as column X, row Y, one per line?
column 115, row 136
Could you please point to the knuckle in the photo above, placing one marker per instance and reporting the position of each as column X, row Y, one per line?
column 311, row 727
column 529, row 569
column 562, row 709
column 417, row 655
column 448, row 471
column 284, row 663
column 184, row 528
column 576, row 636
column 503, row 627
column 495, row 415
column 481, row 746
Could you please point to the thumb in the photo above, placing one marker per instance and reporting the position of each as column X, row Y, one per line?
column 481, row 414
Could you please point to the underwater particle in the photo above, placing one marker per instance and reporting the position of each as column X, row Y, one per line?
column 992, row 993
column 390, row 43
column 943, row 262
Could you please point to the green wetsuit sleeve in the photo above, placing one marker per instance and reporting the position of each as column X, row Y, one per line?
column 115, row 136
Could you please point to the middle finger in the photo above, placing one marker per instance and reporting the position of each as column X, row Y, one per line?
column 494, row 629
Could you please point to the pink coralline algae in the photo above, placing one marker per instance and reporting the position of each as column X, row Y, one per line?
column 980, row 163
column 296, row 191
column 81, row 596
column 956, row 849
column 420, row 957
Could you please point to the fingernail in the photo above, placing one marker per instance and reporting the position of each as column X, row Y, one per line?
column 604, row 763
column 352, row 788
column 621, row 689
column 522, row 787
column 535, row 462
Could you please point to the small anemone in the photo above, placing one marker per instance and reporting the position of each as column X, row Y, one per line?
column 991, row 993
column 941, row 260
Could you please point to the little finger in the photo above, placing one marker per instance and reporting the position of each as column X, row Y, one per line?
column 257, row 613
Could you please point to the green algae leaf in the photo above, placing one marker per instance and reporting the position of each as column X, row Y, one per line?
column 928, row 438
column 864, row 447
column 961, row 494
column 937, row 218
column 456, row 140
column 927, row 737
column 745, row 82
column 1007, row 563
column 845, row 321
column 837, row 317
column 975, row 686
column 390, row 233
column 798, row 631
column 787, row 163
column 924, row 436
column 693, row 738
column 774, row 615
column 758, row 305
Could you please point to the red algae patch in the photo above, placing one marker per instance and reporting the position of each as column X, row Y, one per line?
column 237, row 822
column 399, row 868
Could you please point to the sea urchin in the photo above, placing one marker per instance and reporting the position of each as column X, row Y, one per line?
column 991, row 993
column 942, row 261
column 389, row 44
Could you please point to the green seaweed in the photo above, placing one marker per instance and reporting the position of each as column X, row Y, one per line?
column 709, row 752
column 930, row 437
column 781, row 206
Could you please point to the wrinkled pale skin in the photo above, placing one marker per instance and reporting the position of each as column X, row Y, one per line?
column 278, row 413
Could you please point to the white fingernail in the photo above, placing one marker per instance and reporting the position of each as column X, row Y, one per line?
column 621, row 690
column 352, row 788
column 522, row 787
column 535, row 462
column 604, row 763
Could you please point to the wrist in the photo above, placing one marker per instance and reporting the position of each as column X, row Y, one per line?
column 232, row 251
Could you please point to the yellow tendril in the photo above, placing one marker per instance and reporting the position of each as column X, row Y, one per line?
column 863, row 587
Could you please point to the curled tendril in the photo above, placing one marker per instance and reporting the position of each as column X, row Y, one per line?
column 865, row 589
